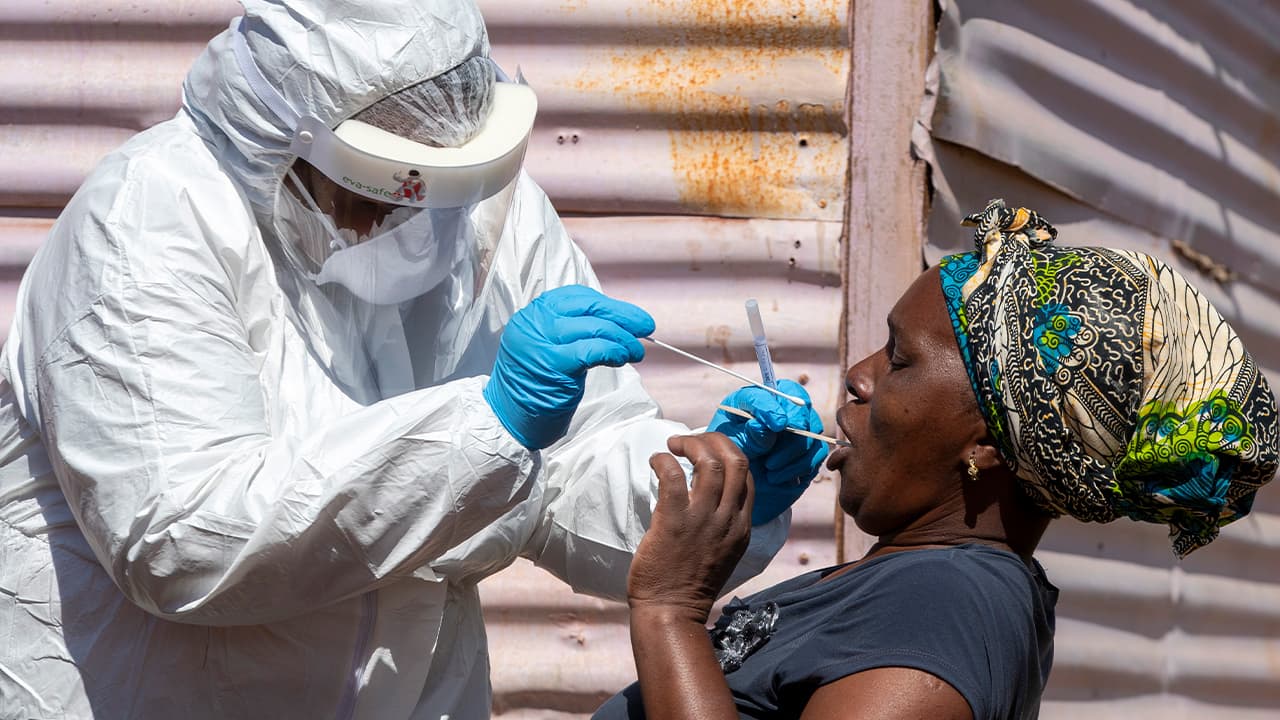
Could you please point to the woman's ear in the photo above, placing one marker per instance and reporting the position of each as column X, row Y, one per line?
column 986, row 456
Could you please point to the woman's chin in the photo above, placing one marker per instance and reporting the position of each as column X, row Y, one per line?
column 851, row 500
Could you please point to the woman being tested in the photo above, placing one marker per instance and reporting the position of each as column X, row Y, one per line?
column 1020, row 382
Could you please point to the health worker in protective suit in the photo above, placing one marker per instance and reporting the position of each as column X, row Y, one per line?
column 298, row 368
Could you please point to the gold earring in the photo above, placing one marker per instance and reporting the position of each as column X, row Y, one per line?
column 973, row 470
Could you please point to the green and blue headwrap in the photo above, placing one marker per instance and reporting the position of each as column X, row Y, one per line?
column 1112, row 387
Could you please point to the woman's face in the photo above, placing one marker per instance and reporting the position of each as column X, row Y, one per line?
column 912, row 419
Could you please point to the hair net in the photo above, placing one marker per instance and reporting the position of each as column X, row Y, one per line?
column 1112, row 386
column 444, row 111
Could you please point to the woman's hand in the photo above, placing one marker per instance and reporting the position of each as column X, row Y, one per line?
column 696, row 538
column 698, row 534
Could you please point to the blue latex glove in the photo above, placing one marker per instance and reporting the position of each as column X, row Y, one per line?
column 545, row 352
column 782, row 463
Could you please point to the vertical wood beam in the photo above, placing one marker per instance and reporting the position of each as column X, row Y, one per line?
column 892, row 42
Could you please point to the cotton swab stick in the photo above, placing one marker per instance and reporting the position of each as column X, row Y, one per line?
column 797, row 431
column 725, row 370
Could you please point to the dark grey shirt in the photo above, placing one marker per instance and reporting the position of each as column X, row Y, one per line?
column 975, row 616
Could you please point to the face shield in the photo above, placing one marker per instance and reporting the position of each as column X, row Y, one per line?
column 388, row 218
column 391, row 239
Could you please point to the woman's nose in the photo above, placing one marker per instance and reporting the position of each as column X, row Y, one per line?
column 858, row 380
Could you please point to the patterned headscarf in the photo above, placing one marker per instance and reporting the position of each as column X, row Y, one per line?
column 1112, row 387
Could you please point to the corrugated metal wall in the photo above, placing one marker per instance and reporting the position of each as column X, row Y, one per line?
column 698, row 150
column 1149, row 125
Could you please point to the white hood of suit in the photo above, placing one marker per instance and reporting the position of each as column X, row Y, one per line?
column 331, row 75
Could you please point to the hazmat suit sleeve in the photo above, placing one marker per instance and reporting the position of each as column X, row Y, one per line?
column 598, row 489
column 200, row 495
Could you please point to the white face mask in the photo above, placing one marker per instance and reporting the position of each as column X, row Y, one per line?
column 405, row 256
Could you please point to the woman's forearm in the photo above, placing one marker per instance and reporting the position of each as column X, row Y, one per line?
column 680, row 678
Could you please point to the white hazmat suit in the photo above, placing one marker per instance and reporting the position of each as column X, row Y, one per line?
column 216, row 501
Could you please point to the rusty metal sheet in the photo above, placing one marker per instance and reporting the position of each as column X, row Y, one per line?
column 721, row 108
column 735, row 107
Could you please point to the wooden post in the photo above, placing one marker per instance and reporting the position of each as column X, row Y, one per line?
column 892, row 42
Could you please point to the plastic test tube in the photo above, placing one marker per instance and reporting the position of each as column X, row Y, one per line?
column 761, row 344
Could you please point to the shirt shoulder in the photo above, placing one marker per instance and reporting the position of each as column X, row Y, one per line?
column 975, row 617
column 951, row 577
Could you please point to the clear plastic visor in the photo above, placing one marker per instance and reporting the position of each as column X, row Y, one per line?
column 389, row 169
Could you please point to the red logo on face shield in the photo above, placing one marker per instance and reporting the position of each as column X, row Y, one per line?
column 412, row 186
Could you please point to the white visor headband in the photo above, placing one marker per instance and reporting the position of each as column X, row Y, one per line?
column 391, row 169
column 388, row 168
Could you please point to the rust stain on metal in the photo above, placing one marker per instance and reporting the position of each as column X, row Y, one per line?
column 733, row 155
column 719, row 336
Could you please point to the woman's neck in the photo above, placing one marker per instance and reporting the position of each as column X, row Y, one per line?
column 996, row 516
